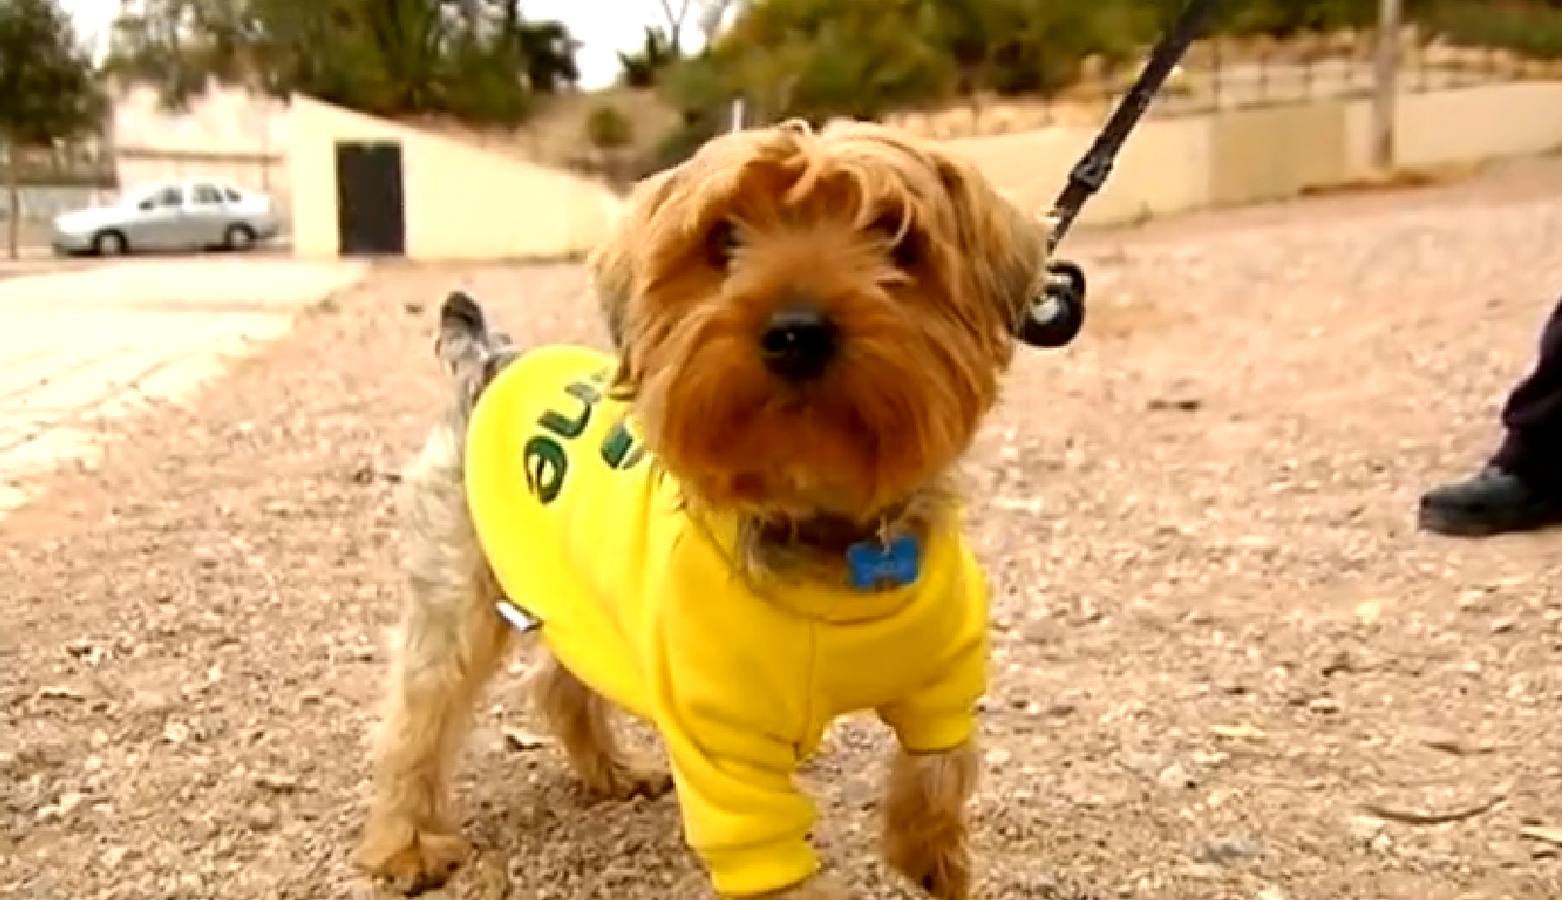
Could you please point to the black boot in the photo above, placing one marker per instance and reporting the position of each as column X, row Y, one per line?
column 1493, row 502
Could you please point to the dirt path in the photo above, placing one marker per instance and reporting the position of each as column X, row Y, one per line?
column 1227, row 665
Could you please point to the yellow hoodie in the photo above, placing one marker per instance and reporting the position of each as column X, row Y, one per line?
column 641, row 603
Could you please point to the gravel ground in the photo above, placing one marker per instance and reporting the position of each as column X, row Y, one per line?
column 1227, row 666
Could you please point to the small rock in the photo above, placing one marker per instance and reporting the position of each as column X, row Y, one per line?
column 1450, row 742
column 176, row 732
column 1382, row 843
column 280, row 782
column 1369, row 612
column 150, row 702
column 1474, row 600
column 1238, row 732
column 79, row 647
column 1364, row 829
column 69, row 801
column 113, row 857
column 1270, row 893
column 998, row 757
column 1231, row 849
column 60, row 692
column 1342, row 661
column 1182, row 404
column 1176, row 777
column 1543, row 833
column 1324, row 705
column 1203, row 871
column 519, row 739
column 261, row 818
column 1503, row 625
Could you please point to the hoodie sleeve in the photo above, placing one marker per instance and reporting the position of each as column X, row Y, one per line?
column 743, row 814
column 941, row 713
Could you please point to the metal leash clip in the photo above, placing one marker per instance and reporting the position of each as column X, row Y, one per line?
column 1056, row 316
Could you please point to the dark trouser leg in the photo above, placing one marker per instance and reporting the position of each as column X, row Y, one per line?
column 1522, row 489
column 1532, row 449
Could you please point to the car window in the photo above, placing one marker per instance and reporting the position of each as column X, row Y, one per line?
column 170, row 196
column 231, row 194
column 205, row 193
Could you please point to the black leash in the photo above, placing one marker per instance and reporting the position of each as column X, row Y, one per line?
column 1056, row 317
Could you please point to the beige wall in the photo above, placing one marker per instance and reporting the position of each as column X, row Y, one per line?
column 224, row 132
column 219, row 120
column 461, row 201
column 1477, row 123
column 1275, row 152
column 1031, row 167
column 465, row 202
column 1171, row 165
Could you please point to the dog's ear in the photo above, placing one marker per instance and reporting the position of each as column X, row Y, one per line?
column 1003, row 247
column 612, row 263
column 614, row 268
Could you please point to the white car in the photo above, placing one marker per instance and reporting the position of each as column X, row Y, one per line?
column 183, row 214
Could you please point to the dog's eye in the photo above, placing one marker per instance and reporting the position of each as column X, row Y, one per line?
column 721, row 244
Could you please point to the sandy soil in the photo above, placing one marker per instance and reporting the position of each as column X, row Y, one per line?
column 1227, row 666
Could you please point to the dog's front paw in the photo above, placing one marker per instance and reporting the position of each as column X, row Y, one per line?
column 942, row 868
column 626, row 780
column 410, row 859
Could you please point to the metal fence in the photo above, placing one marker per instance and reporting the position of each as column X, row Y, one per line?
column 1232, row 74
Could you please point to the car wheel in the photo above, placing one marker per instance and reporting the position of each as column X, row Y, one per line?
column 238, row 237
column 110, row 243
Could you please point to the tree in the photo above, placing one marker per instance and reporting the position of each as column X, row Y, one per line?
column 675, row 23
column 48, row 88
column 478, row 60
column 713, row 14
column 643, row 67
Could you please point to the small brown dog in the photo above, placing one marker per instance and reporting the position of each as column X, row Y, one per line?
column 741, row 527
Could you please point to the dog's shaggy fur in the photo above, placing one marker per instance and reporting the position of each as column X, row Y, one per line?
column 924, row 270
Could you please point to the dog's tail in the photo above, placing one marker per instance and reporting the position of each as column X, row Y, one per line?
column 472, row 354
column 463, row 341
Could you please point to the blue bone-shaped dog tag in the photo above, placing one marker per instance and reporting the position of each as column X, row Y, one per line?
column 874, row 563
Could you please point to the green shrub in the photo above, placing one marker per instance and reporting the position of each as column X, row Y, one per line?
column 607, row 128
column 1531, row 29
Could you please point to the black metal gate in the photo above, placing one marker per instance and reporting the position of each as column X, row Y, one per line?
column 370, row 216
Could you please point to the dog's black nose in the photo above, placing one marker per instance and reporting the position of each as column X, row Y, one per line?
column 798, row 343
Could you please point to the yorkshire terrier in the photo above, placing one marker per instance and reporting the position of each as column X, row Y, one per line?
column 739, row 527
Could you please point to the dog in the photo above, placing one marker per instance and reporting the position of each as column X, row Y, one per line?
column 738, row 526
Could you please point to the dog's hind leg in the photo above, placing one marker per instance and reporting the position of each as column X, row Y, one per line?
column 450, row 642
column 581, row 719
